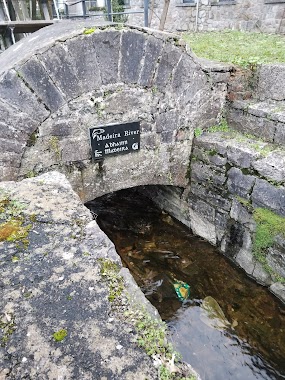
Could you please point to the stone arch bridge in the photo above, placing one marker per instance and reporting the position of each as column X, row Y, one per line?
column 66, row 78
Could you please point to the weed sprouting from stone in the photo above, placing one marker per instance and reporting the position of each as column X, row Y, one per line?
column 221, row 127
column 54, row 146
column 268, row 226
column 110, row 272
column 13, row 229
column 7, row 325
column 198, row 132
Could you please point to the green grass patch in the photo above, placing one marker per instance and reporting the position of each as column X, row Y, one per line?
column 221, row 127
column 268, row 226
column 246, row 49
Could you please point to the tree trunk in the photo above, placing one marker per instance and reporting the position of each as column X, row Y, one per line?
column 164, row 14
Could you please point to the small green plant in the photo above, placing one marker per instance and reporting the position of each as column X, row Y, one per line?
column 13, row 228
column 59, row 335
column 54, row 146
column 268, row 226
column 7, row 325
column 198, row 132
column 110, row 272
column 221, row 127
column 89, row 30
column 96, row 9
column 118, row 7
column 245, row 202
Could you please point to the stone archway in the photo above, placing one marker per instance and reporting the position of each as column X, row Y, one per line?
column 66, row 78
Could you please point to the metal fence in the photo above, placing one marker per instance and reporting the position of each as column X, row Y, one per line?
column 93, row 9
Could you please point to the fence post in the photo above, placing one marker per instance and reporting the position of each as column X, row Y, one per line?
column 146, row 13
column 109, row 10
column 84, row 8
column 66, row 10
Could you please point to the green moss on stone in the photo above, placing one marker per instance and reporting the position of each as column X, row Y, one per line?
column 59, row 335
column 110, row 272
column 89, row 30
column 268, row 226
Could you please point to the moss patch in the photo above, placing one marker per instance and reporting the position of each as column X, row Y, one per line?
column 110, row 272
column 13, row 227
column 268, row 226
column 89, row 30
column 7, row 326
column 59, row 335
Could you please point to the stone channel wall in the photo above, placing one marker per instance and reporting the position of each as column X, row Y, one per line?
column 250, row 15
column 236, row 169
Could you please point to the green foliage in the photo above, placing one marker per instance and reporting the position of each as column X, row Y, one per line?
column 7, row 325
column 12, row 228
column 89, row 30
column 110, row 272
column 96, row 9
column 166, row 374
column 246, row 203
column 118, row 6
column 268, row 226
column 198, row 132
column 246, row 49
column 58, row 336
column 152, row 336
column 221, row 127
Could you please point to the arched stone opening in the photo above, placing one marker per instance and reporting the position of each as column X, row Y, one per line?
column 55, row 85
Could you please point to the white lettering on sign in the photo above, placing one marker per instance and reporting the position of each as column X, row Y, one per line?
column 129, row 132
column 116, row 150
column 135, row 146
column 98, row 153
column 113, row 144
column 108, row 136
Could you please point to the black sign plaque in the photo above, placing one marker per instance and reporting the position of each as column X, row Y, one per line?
column 113, row 139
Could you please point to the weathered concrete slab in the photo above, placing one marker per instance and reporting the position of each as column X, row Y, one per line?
column 51, row 282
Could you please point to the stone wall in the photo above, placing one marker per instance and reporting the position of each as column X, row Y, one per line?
column 250, row 15
column 231, row 176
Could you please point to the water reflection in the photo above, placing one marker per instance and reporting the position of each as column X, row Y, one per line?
column 246, row 338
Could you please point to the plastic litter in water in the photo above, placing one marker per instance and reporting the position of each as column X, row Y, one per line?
column 182, row 290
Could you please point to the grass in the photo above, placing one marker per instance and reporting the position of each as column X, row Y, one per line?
column 268, row 226
column 246, row 49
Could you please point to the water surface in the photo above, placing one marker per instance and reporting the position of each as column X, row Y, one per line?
column 244, row 338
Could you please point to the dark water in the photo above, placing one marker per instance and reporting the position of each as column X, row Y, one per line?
column 247, row 339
